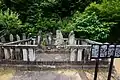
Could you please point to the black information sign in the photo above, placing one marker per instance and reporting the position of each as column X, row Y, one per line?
column 104, row 51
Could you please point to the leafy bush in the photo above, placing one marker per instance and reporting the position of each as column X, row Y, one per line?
column 88, row 25
column 9, row 21
column 108, row 10
column 49, row 15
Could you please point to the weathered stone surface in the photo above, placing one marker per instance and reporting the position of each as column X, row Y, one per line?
column 59, row 38
column 71, row 41
column 11, row 37
column 3, row 39
column 46, row 75
column 52, row 57
column 18, row 37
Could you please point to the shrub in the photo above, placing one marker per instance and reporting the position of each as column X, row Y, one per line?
column 9, row 21
column 108, row 10
column 88, row 25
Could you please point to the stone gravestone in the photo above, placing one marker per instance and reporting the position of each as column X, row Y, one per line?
column 39, row 38
column 3, row 39
column 59, row 41
column 23, row 36
column 59, row 38
column 71, row 41
column 17, row 37
column 11, row 37
column 49, row 38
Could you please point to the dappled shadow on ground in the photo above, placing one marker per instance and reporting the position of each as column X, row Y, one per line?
column 46, row 75
column 58, row 74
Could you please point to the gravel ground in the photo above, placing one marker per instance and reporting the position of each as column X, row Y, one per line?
column 45, row 75
column 52, row 57
column 59, row 75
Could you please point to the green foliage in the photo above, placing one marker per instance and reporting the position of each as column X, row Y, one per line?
column 93, row 22
column 88, row 25
column 48, row 25
column 45, row 15
column 48, row 8
column 9, row 21
column 108, row 10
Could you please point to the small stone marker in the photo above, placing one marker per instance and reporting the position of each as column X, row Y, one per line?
column 39, row 38
column 3, row 39
column 23, row 36
column 11, row 37
column 18, row 37
column 71, row 39
column 49, row 38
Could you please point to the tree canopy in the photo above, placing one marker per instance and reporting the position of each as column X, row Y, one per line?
column 95, row 19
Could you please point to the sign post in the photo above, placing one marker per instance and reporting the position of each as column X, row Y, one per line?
column 96, row 67
column 104, row 51
column 111, row 64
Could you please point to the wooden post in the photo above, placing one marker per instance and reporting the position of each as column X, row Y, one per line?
column 110, row 68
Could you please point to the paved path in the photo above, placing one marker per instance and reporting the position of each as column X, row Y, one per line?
column 47, row 75
column 65, row 74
